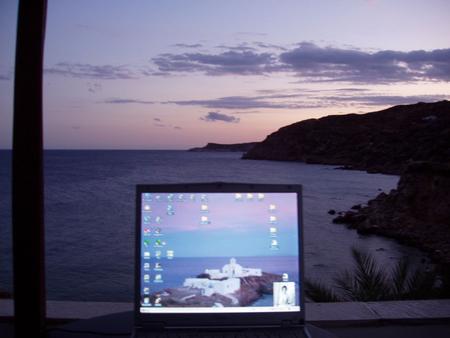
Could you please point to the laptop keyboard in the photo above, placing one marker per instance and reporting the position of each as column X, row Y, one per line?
column 271, row 333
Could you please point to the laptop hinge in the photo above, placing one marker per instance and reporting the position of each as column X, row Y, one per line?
column 287, row 323
column 155, row 325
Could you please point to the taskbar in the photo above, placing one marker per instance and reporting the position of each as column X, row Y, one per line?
column 249, row 309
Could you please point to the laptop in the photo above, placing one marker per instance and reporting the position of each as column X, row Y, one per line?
column 219, row 259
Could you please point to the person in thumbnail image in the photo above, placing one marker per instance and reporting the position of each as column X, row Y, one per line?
column 284, row 294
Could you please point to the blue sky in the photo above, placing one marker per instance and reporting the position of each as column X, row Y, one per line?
column 177, row 74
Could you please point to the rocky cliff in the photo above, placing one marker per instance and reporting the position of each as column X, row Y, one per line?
column 417, row 212
column 384, row 141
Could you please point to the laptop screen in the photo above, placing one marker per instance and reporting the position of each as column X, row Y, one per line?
column 219, row 252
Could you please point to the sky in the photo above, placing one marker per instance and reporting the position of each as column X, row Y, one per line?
column 233, row 229
column 178, row 74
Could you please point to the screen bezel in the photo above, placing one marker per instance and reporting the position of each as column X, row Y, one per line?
column 217, row 319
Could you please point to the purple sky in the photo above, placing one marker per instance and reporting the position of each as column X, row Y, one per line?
column 177, row 74
column 239, row 228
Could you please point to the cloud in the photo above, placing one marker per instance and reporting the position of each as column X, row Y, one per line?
column 266, row 45
column 337, row 64
column 391, row 100
column 94, row 87
column 216, row 116
column 249, row 102
column 177, row 127
column 340, row 97
column 157, row 119
column 126, row 101
column 310, row 62
column 187, row 45
column 88, row 71
column 242, row 62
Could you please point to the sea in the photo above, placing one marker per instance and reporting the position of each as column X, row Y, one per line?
column 89, row 214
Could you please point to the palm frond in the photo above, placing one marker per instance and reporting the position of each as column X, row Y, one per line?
column 421, row 285
column 347, row 285
column 399, row 278
column 371, row 281
column 318, row 292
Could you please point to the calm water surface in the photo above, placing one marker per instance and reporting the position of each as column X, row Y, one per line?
column 89, row 210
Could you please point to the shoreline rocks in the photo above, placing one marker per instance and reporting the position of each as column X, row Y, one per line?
column 417, row 213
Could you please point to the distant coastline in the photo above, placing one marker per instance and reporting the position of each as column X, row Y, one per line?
column 235, row 147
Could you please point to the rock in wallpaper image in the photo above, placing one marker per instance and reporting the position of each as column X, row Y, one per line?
column 233, row 285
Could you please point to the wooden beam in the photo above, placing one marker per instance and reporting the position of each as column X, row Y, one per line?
column 27, row 173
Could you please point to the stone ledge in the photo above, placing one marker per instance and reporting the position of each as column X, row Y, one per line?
column 435, row 309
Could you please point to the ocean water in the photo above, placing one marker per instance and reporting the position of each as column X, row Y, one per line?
column 89, row 213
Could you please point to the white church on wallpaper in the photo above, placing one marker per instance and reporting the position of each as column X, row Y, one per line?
column 223, row 282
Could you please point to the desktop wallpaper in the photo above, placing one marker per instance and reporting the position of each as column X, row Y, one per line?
column 219, row 250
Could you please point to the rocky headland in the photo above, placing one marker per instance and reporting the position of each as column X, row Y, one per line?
column 252, row 288
column 416, row 213
column 237, row 147
column 383, row 142
column 408, row 140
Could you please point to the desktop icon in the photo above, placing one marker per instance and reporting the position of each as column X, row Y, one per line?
column 146, row 254
column 169, row 254
column 157, row 300
column 158, row 278
column 146, row 300
column 147, row 231
column 158, row 198
column 159, row 243
column 260, row 197
column 147, row 219
column 285, row 277
column 147, row 207
column 158, row 232
column 146, row 242
column 192, row 197
column 238, row 197
column 146, row 278
column 272, row 207
column 180, row 198
column 272, row 219
column 249, row 196
column 170, row 210
column 158, row 254
column 158, row 267
column 170, row 197
column 158, row 219
column 273, row 231
column 274, row 244
column 146, row 291
column 147, row 196
column 204, row 208
column 203, row 198
column 204, row 220
column 146, row 266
